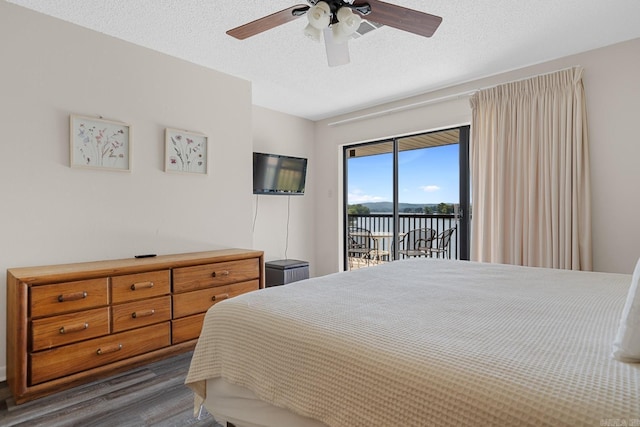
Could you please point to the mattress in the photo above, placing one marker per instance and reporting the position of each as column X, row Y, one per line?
column 428, row 342
column 240, row 406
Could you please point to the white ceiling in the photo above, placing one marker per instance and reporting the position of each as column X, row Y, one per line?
column 289, row 72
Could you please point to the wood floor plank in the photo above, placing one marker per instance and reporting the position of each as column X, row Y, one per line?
column 153, row 395
column 89, row 391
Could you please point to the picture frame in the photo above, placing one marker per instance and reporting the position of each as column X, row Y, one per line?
column 186, row 152
column 97, row 143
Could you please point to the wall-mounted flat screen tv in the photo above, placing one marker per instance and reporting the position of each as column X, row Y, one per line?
column 277, row 174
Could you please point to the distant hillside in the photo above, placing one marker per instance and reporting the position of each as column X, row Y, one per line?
column 387, row 207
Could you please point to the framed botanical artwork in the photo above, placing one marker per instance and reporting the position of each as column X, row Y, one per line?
column 99, row 143
column 185, row 151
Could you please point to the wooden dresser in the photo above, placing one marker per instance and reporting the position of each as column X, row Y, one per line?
column 70, row 324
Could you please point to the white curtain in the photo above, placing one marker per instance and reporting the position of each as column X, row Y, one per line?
column 530, row 173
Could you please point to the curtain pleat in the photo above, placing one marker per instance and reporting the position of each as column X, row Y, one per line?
column 530, row 173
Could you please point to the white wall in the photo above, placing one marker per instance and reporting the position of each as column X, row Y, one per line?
column 279, row 216
column 613, row 106
column 52, row 213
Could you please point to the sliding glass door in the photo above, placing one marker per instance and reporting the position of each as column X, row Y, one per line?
column 370, row 189
column 407, row 197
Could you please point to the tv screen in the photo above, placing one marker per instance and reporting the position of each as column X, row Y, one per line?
column 276, row 174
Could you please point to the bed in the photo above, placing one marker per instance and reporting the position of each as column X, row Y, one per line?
column 420, row 342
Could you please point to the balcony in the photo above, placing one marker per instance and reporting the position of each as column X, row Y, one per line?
column 382, row 246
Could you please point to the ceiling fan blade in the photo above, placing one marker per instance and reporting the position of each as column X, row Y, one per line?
column 401, row 18
column 337, row 53
column 268, row 22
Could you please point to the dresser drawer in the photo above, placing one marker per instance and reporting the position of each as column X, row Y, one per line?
column 137, row 286
column 216, row 274
column 67, row 360
column 64, row 329
column 71, row 296
column 141, row 313
column 195, row 302
column 186, row 328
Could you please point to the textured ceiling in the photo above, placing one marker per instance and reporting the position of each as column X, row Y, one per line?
column 289, row 72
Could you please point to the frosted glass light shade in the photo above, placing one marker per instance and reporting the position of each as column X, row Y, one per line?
column 339, row 35
column 348, row 20
column 319, row 15
column 312, row 32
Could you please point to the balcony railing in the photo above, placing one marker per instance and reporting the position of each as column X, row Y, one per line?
column 383, row 223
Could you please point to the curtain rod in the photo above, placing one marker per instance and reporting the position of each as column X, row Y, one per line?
column 433, row 101
column 401, row 108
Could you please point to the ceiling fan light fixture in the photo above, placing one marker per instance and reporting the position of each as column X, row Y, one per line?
column 339, row 35
column 344, row 13
column 348, row 20
column 319, row 15
column 338, row 22
column 312, row 32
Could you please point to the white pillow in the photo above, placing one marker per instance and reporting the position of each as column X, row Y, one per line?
column 626, row 347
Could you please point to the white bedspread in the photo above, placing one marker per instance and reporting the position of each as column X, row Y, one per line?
column 429, row 342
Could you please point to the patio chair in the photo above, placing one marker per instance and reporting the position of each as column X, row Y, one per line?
column 416, row 242
column 360, row 245
column 442, row 244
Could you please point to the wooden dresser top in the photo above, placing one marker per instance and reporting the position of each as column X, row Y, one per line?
column 76, row 271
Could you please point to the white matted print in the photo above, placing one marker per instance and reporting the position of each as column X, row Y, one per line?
column 99, row 143
column 185, row 151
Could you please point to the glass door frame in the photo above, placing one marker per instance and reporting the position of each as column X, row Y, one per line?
column 464, row 218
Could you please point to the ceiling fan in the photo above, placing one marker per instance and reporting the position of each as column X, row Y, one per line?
column 338, row 20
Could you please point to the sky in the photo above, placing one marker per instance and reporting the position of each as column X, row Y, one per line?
column 427, row 175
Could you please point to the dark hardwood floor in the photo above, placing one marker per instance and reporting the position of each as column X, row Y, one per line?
column 153, row 395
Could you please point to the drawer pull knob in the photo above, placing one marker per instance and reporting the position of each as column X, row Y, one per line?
column 110, row 349
column 219, row 297
column 142, row 285
column 223, row 273
column 74, row 328
column 144, row 313
column 72, row 297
